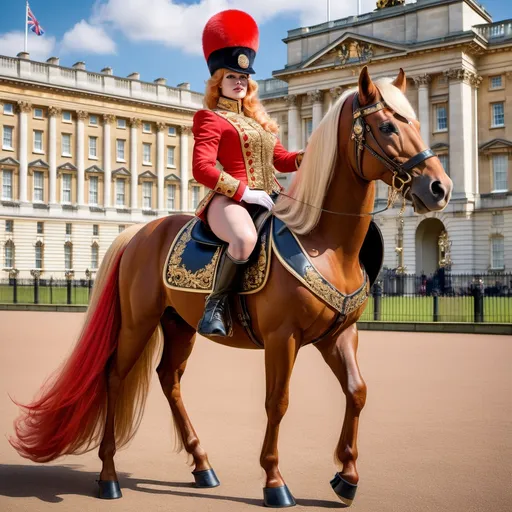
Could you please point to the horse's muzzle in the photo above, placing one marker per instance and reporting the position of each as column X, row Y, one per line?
column 430, row 194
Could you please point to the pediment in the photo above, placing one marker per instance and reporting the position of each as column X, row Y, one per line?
column 94, row 168
column 172, row 177
column 352, row 49
column 122, row 171
column 66, row 167
column 496, row 145
column 441, row 146
column 39, row 163
column 148, row 174
column 9, row 161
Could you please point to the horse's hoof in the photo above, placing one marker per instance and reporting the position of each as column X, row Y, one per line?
column 278, row 497
column 345, row 491
column 206, row 478
column 109, row 490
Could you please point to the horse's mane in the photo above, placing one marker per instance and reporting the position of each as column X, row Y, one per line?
column 312, row 181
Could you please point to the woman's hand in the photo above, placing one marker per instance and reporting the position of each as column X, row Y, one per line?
column 258, row 197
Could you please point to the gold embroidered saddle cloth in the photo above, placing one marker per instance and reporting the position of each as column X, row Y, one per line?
column 194, row 255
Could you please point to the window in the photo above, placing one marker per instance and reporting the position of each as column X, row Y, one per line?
column 9, row 226
column 497, row 252
column 66, row 116
column 40, row 228
column 93, row 152
column 93, row 120
column 121, row 123
column 66, row 144
column 68, row 228
column 146, row 153
column 39, row 255
column 93, row 190
column 195, row 196
column 498, row 115
column 445, row 162
column 95, row 230
column 441, row 118
column 499, row 172
column 38, row 186
column 308, row 128
column 496, row 82
column 146, row 127
column 147, row 189
column 6, row 184
column 38, row 113
column 9, row 254
column 171, row 197
column 8, row 109
column 171, row 131
column 121, row 228
column 66, row 188
column 94, row 256
column 120, row 150
column 120, row 192
column 7, row 138
column 38, row 141
column 498, row 221
column 170, row 156
column 68, row 256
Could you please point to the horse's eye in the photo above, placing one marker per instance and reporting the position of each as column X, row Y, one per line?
column 388, row 127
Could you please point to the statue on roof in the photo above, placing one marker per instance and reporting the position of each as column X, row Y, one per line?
column 381, row 4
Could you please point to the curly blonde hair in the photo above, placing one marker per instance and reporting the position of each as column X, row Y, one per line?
column 252, row 105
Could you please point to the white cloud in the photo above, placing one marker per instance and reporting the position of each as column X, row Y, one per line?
column 86, row 38
column 180, row 25
column 39, row 47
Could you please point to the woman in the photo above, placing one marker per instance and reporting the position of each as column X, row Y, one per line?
column 236, row 132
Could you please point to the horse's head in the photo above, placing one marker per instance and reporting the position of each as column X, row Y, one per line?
column 387, row 144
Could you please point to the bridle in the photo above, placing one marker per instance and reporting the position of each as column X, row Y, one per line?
column 401, row 170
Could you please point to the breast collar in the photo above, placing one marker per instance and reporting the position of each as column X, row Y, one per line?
column 230, row 105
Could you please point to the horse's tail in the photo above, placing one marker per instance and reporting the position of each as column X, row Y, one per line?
column 69, row 415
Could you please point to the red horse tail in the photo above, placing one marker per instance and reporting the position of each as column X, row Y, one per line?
column 68, row 418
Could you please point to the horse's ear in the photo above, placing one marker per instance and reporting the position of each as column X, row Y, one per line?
column 367, row 90
column 401, row 81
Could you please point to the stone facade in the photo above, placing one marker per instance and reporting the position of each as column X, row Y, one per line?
column 459, row 68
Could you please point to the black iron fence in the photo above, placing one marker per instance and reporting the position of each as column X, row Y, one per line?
column 443, row 297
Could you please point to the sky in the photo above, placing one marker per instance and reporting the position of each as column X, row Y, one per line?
column 162, row 38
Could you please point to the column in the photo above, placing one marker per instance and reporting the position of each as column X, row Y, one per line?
column 108, row 120
column 317, row 98
column 461, row 118
column 134, row 128
column 476, row 80
column 23, row 108
column 81, row 116
column 184, row 174
column 160, row 165
column 335, row 93
column 293, row 123
column 53, row 113
column 422, row 82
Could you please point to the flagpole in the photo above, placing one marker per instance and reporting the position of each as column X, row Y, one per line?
column 26, row 25
column 328, row 10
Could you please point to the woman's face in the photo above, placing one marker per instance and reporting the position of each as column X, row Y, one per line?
column 234, row 85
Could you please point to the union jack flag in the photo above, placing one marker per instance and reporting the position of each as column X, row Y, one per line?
column 33, row 23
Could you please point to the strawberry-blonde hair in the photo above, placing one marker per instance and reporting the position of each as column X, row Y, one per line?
column 252, row 105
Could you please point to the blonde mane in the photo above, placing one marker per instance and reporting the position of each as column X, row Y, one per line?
column 311, row 183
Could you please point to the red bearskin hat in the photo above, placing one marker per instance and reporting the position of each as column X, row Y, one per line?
column 230, row 40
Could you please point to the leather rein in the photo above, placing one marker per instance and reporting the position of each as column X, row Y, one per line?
column 401, row 171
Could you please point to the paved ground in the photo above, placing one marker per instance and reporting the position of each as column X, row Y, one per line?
column 436, row 433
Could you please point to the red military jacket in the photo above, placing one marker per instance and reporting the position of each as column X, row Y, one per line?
column 248, row 154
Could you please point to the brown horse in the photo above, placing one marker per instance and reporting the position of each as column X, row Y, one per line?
column 371, row 133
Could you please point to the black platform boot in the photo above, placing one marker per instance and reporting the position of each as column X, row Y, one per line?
column 216, row 320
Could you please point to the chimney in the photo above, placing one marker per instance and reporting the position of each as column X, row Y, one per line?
column 23, row 55
column 107, row 71
column 53, row 60
column 184, row 85
column 79, row 65
column 134, row 76
column 161, row 81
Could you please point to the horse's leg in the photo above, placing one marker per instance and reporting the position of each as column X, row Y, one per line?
column 340, row 354
column 136, row 329
column 280, row 354
column 179, row 340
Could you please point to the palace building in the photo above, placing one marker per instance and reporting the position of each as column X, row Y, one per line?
column 84, row 155
column 459, row 67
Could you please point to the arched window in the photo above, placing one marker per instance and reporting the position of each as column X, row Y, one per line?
column 39, row 255
column 9, row 254
column 68, row 256
column 95, row 252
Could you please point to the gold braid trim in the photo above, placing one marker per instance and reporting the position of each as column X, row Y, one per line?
column 227, row 185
